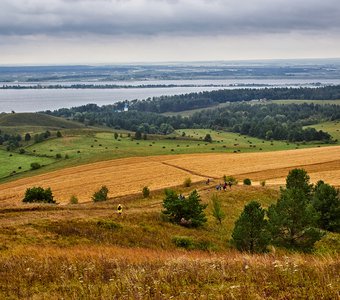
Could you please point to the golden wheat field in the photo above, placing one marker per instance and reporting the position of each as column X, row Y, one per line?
column 129, row 175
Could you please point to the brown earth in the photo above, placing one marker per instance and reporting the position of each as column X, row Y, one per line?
column 129, row 175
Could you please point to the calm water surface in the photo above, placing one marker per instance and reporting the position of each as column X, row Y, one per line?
column 31, row 100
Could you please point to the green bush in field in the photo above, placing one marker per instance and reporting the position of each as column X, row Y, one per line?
column 101, row 194
column 246, row 181
column 38, row 195
column 35, row 166
column 146, row 192
column 73, row 199
column 185, row 242
column 208, row 138
column 187, row 182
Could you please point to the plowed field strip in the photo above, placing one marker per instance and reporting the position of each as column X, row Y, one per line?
column 274, row 173
column 189, row 171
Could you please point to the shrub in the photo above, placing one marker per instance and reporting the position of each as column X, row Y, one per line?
column 246, row 181
column 27, row 137
column 38, row 194
column 22, row 151
column 146, row 192
column 116, row 135
column 73, row 200
column 263, row 183
column 217, row 211
column 231, row 179
column 58, row 156
column 185, row 242
column 59, row 135
column 187, row 182
column 101, row 194
column 208, row 138
column 35, row 166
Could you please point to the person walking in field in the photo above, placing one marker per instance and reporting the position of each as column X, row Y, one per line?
column 120, row 209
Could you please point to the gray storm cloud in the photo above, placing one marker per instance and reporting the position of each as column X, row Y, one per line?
column 169, row 17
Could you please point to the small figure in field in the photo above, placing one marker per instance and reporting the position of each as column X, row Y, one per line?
column 224, row 186
column 208, row 181
column 219, row 187
column 230, row 184
column 181, row 197
column 120, row 209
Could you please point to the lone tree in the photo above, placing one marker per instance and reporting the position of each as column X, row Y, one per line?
column 217, row 210
column 38, row 195
column 184, row 211
column 138, row 135
column 250, row 232
column 146, row 192
column 299, row 179
column 293, row 221
column 208, row 138
column 27, row 137
column 326, row 201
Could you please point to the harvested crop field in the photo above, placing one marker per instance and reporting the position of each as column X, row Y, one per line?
column 129, row 175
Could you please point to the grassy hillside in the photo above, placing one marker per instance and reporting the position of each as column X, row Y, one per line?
column 86, row 145
column 88, row 251
column 36, row 120
column 333, row 128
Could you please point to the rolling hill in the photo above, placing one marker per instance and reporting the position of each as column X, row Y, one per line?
column 36, row 119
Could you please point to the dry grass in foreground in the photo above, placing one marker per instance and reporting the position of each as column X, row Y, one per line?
column 87, row 251
column 128, row 176
column 117, row 273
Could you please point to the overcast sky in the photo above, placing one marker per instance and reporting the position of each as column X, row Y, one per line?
column 115, row 31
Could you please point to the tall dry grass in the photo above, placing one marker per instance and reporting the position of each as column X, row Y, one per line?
column 100, row 272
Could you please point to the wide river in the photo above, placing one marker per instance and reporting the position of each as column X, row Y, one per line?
column 32, row 100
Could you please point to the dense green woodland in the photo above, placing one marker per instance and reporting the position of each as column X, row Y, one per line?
column 269, row 121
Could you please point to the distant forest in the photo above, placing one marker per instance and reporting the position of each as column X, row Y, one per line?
column 267, row 121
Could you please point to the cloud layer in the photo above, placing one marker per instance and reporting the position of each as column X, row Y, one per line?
column 166, row 17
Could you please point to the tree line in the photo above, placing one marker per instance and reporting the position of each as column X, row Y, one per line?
column 265, row 121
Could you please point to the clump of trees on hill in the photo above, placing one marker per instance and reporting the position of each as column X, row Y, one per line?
column 265, row 121
column 186, row 211
column 296, row 221
column 38, row 195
